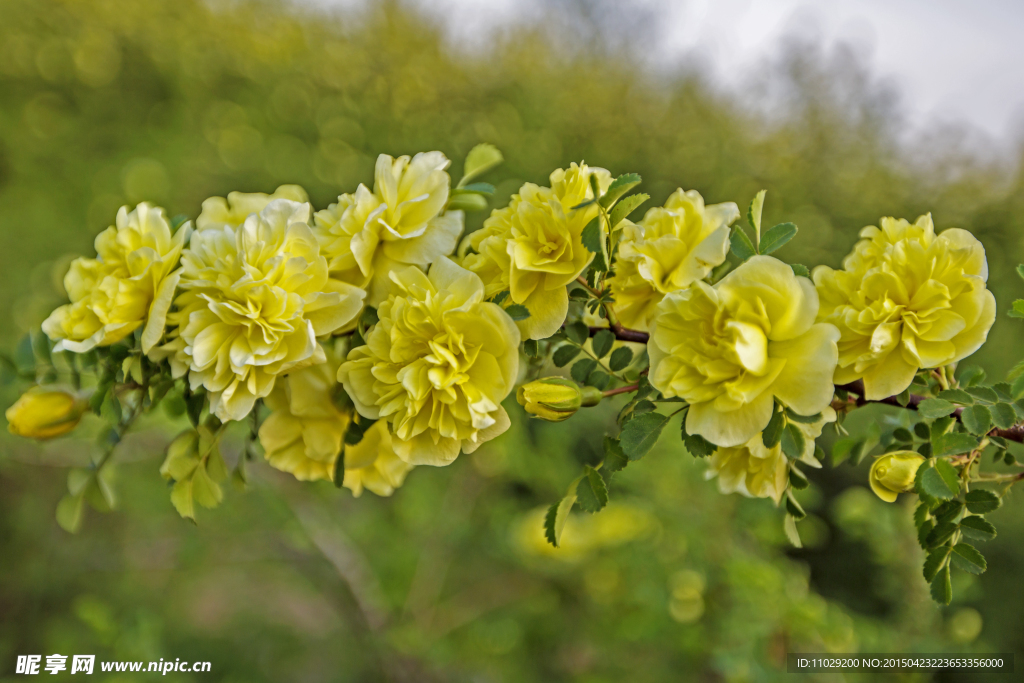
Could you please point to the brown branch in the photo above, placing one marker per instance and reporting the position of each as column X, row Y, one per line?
column 623, row 333
column 1014, row 433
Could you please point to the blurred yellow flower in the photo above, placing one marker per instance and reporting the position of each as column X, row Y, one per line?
column 254, row 300
column 219, row 212
column 672, row 247
column 906, row 299
column 894, row 473
column 45, row 412
column 619, row 523
column 366, row 235
column 732, row 350
column 436, row 366
column 759, row 472
column 533, row 247
column 130, row 284
column 372, row 463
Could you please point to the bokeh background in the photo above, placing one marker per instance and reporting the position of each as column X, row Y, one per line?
column 107, row 102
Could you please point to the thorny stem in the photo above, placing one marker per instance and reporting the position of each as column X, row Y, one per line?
column 621, row 390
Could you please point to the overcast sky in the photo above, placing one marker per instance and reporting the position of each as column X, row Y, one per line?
column 953, row 60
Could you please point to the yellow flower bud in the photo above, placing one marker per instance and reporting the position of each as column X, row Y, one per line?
column 46, row 412
column 556, row 399
column 894, row 473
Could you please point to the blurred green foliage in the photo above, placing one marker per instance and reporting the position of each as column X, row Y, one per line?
column 106, row 102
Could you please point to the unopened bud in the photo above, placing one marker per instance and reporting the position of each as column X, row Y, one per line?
column 47, row 412
column 894, row 473
column 555, row 398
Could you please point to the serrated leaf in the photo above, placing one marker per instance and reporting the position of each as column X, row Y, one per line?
column 620, row 359
column 466, row 201
column 558, row 515
column 949, row 475
column 980, row 501
column 592, row 237
column 619, row 187
column 984, row 394
column 935, row 407
column 500, row 297
column 772, row 433
column 754, row 210
column 966, row 557
column 841, row 449
column 577, row 332
column 954, row 443
column 978, row 528
column 582, row 368
column 339, row 469
column 1018, row 384
column 920, row 514
column 181, row 498
column 971, row 375
column 793, row 506
column 948, row 511
column 205, row 491
column 614, row 459
column 696, row 445
column 793, row 442
column 941, row 587
column 602, row 343
column 802, row 419
column 518, row 312
column 902, row 435
column 1003, row 415
column 924, row 530
column 599, row 380
column 480, row 159
column 592, row 492
column 531, row 347
column 641, row 433
column 940, row 534
column 564, row 354
column 792, row 535
column 957, row 396
column 69, row 513
column 480, row 188
column 934, row 485
column 797, row 479
column 1018, row 309
column 921, row 431
column 799, row 270
column 776, row 237
column 625, row 207
column 935, row 561
column 740, row 244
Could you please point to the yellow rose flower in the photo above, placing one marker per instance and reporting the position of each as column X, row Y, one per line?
column 372, row 463
column 47, row 412
column 906, row 299
column 672, row 247
column 759, row 472
column 255, row 298
column 366, row 235
column 734, row 349
column 894, row 473
column 436, row 366
column 533, row 247
column 129, row 285
column 231, row 212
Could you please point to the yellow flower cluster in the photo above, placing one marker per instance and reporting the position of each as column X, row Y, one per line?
column 130, row 284
column 436, row 366
column 671, row 248
column 906, row 299
column 533, row 248
column 734, row 349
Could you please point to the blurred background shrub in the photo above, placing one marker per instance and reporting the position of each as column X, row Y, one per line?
column 107, row 102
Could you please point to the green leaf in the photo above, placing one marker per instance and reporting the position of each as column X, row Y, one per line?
column 948, row 511
column 599, row 380
column 518, row 312
column 621, row 358
column 194, row 407
column 980, row 501
column 695, row 444
column 619, row 187
column 984, row 394
column 592, row 492
column 1018, row 309
column 181, row 498
column 797, row 479
column 1020, row 271
column 966, row 557
column 1016, row 372
column 480, row 159
column 957, row 396
column 481, row 188
column 942, row 588
column 466, row 201
column 1003, row 415
column 799, row 270
column 69, row 513
column 602, row 343
column 592, row 237
column 954, row 443
column 772, row 434
column 776, row 237
column 949, row 475
column 741, row 245
column 978, row 528
column 841, row 449
column 564, row 354
column 577, row 332
column 921, row 431
column 614, row 459
column 205, row 491
column 582, row 368
column 754, row 210
column 339, row 469
column 935, row 561
column 920, row 514
column 793, row 442
column 641, row 433
column 531, row 347
column 793, row 507
column 802, row 419
column 934, row 484
column 940, row 534
column 500, row 297
column 902, row 435
column 924, row 530
column 792, row 535
column 935, row 407
column 1018, row 385
column 626, row 207
column 971, row 375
